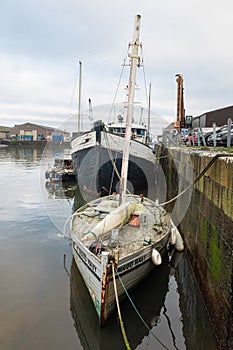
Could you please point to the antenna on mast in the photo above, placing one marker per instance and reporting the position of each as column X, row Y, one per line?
column 79, row 95
column 149, row 110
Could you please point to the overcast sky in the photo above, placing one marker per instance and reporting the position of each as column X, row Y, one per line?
column 42, row 42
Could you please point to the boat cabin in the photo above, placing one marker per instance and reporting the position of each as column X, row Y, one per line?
column 139, row 132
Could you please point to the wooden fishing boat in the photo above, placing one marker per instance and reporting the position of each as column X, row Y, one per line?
column 94, row 151
column 118, row 239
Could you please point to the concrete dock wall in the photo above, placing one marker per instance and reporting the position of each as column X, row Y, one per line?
column 207, row 228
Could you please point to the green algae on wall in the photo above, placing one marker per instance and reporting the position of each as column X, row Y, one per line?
column 207, row 229
column 213, row 248
column 216, row 255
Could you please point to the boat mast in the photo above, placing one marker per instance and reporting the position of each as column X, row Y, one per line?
column 148, row 127
column 79, row 96
column 134, row 61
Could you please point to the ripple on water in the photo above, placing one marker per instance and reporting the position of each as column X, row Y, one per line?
column 57, row 238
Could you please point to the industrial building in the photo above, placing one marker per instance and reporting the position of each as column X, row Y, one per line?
column 4, row 132
column 35, row 132
column 218, row 116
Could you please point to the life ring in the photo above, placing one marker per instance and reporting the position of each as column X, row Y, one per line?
column 174, row 132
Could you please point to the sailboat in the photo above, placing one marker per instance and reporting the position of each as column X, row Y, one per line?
column 118, row 239
column 100, row 150
column 93, row 337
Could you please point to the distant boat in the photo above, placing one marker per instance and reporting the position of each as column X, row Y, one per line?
column 98, row 152
column 120, row 237
column 62, row 170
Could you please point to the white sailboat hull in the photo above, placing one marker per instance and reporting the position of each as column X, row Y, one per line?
column 131, row 270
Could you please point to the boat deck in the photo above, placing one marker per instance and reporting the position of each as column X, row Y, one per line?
column 147, row 225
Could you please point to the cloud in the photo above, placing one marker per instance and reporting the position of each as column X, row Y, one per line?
column 43, row 41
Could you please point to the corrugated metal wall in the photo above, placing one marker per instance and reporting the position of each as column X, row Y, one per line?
column 218, row 116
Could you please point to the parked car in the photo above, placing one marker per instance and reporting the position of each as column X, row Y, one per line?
column 222, row 139
column 221, row 136
column 189, row 138
column 195, row 133
column 207, row 135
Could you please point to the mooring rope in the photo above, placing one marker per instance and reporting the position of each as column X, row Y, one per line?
column 198, row 177
column 135, row 308
column 119, row 311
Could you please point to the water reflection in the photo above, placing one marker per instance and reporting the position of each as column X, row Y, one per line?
column 197, row 330
column 61, row 190
column 167, row 300
column 32, row 278
column 19, row 153
column 149, row 299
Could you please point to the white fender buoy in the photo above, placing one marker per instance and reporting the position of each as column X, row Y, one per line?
column 179, row 245
column 173, row 235
column 156, row 257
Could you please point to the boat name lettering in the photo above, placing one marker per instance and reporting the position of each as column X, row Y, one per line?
column 131, row 264
column 86, row 260
column 92, row 266
column 82, row 255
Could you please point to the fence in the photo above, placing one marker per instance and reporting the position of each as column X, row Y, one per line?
column 217, row 137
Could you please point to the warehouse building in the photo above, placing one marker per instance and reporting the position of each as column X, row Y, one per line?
column 5, row 132
column 218, row 116
column 35, row 132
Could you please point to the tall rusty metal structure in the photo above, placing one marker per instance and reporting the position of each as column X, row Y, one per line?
column 180, row 117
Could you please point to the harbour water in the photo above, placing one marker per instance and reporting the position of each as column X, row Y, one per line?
column 43, row 301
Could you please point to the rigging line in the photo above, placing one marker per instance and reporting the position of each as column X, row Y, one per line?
column 119, row 311
column 134, row 306
column 96, row 166
column 111, row 156
column 112, row 159
column 118, row 85
column 67, row 235
column 110, row 189
column 198, row 177
column 144, row 76
column 74, row 91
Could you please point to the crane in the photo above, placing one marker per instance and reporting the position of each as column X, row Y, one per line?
column 180, row 117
